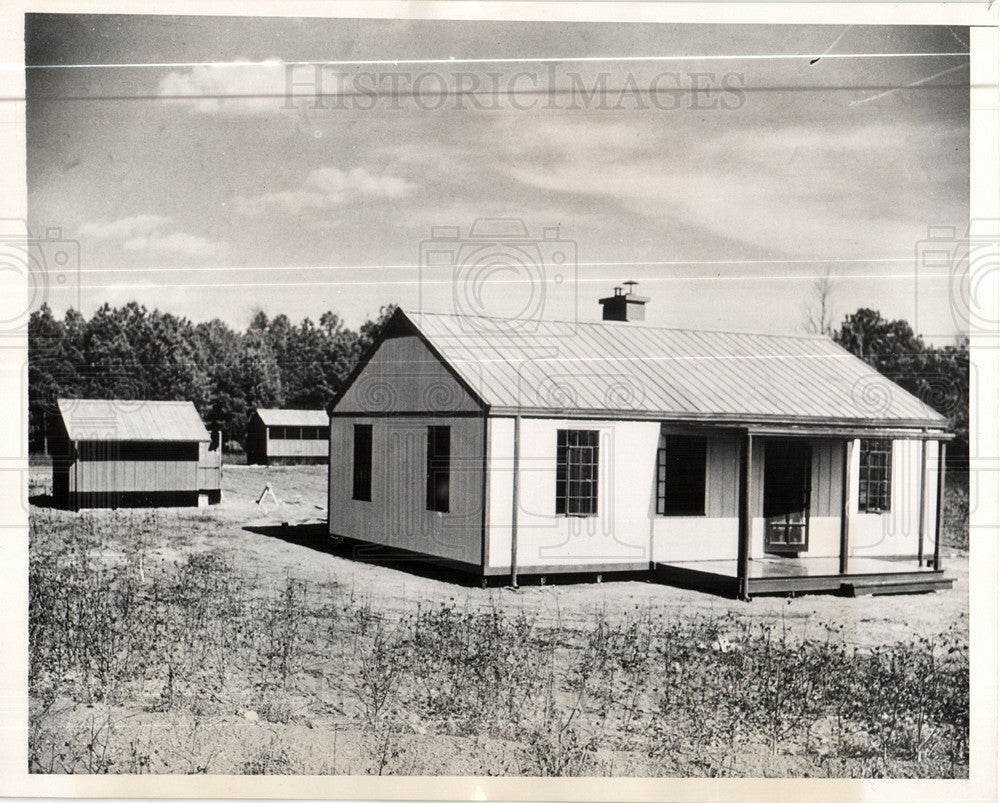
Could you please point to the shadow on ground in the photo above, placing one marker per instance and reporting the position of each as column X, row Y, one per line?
column 313, row 535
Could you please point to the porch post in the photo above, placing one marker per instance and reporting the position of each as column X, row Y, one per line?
column 942, row 452
column 923, row 502
column 845, row 506
column 745, row 518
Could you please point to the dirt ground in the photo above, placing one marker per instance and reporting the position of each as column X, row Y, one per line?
column 275, row 542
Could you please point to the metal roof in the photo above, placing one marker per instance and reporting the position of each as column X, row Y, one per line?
column 131, row 420
column 624, row 370
column 273, row 417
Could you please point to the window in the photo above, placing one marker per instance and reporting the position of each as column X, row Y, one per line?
column 293, row 433
column 874, row 481
column 277, row 433
column 363, row 462
column 576, row 472
column 680, row 476
column 438, row 467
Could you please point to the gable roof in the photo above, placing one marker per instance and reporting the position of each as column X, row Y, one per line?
column 623, row 370
column 130, row 420
column 274, row 417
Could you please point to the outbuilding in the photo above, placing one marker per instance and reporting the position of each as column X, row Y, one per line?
column 733, row 462
column 284, row 437
column 122, row 453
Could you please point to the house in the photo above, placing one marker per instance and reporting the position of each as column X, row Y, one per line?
column 121, row 453
column 738, row 463
column 276, row 437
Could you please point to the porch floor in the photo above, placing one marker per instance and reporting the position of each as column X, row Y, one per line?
column 775, row 574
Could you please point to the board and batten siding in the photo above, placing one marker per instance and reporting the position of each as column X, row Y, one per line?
column 125, row 476
column 895, row 533
column 617, row 537
column 397, row 514
column 404, row 376
column 281, row 447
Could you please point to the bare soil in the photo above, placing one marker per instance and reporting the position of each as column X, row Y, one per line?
column 316, row 723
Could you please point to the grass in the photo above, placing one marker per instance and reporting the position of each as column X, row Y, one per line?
column 141, row 664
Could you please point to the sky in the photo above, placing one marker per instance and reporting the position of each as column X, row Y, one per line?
column 722, row 167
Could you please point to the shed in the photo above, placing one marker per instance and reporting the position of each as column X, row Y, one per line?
column 282, row 437
column 121, row 453
column 741, row 463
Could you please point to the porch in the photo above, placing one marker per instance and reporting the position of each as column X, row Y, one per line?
column 786, row 575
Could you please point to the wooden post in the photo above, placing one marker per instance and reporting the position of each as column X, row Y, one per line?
column 845, row 506
column 484, row 549
column 515, row 500
column 923, row 502
column 939, row 520
column 745, row 519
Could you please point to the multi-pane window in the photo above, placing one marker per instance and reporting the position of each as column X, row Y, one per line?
column 363, row 462
column 680, row 476
column 576, row 472
column 875, row 479
column 298, row 433
column 438, row 467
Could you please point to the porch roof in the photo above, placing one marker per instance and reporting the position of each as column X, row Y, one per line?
column 629, row 370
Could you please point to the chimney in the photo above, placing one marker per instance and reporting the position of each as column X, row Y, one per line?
column 625, row 305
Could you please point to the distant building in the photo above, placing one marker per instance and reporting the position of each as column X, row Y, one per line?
column 282, row 437
column 121, row 453
column 734, row 462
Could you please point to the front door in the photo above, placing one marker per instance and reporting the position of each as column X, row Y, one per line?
column 787, row 470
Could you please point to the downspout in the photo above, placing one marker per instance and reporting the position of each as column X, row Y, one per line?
column 515, row 500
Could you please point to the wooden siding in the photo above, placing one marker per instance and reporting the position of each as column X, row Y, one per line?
column 397, row 514
column 404, row 376
column 135, row 475
column 209, row 468
column 722, row 470
column 296, row 448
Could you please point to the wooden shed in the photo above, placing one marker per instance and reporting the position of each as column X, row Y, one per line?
column 119, row 453
column 735, row 462
column 288, row 437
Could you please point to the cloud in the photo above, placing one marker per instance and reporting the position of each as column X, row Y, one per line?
column 228, row 88
column 323, row 188
column 783, row 189
column 149, row 233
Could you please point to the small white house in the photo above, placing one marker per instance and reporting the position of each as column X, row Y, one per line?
column 740, row 463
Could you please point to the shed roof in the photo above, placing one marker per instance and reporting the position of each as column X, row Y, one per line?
column 273, row 417
column 612, row 369
column 130, row 420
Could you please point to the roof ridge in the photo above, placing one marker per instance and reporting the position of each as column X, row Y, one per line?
column 638, row 325
column 125, row 401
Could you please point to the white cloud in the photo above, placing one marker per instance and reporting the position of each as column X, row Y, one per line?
column 784, row 190
column 149, row 233
column 229, row 88
column 323, row 188
column 123, row 228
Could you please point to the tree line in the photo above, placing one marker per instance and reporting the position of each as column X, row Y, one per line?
column 131, row 352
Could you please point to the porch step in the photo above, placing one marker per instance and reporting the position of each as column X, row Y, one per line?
column 874, row 586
